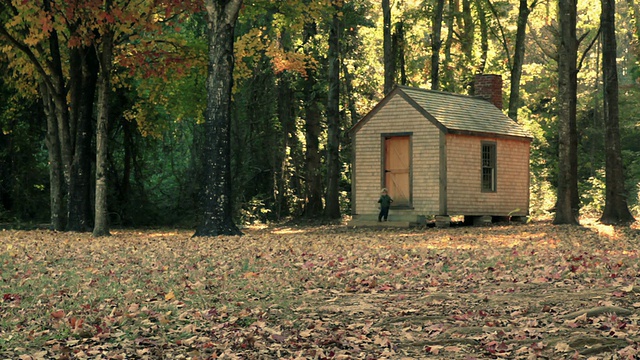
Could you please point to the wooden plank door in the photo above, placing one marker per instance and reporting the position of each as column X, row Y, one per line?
column 397, row 169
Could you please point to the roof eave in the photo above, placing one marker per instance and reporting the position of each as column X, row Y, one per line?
column 489, row 134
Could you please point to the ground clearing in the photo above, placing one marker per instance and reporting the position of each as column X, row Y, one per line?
column 533, row 291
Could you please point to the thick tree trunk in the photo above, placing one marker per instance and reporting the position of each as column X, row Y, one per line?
column 567, row 75
column 287, row 116
column 398, row 51
column 56, row 179
column 388, row 59
column 288, row 127
column 334, row 166
column 84, row 81
column 101, row 226
column 314, row 206
column 616, row 210
column 74, row 126
column 58, row 92
column 436, row 44
column 216, row 198
column 518, row 58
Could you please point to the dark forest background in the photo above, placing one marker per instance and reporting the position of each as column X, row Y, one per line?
column 279, row 110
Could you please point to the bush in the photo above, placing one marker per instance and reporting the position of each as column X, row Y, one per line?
column 592, row 195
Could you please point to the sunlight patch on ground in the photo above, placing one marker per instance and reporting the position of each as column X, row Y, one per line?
column 605, row 230
column 256, row 227
column 286, row 231
column 162, row 234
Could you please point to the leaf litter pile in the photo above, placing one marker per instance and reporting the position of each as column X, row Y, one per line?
column 533, row 291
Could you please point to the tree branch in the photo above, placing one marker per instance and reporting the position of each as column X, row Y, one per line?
column 32, row 57
column 584, row 54
column 544, row 49
column 504, row 36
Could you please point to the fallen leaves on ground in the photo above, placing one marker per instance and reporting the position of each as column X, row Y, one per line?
column 533, row 291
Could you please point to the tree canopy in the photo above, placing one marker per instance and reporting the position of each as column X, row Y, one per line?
column 303, row 73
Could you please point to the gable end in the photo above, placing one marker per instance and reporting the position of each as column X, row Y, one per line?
column 396, row 91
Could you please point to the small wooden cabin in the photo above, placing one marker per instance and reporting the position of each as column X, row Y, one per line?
column 440, row 154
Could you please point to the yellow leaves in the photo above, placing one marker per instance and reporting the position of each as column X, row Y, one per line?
column 562, row 347
column 169, row 296
column 628, row 289
column 256, row 43
column 288, row 61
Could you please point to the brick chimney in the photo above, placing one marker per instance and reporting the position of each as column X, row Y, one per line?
column 489, row 86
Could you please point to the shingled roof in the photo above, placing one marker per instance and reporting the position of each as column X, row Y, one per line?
column 454, row 113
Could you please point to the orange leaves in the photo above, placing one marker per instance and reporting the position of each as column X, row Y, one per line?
column 58, row 314
column 46, row 23
column 322, row 292
column 256, row 43
column 287, row 61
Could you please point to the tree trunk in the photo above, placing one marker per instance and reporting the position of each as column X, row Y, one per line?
column 567, row 74
column 56, row 179
column 313, row 206
column 124, row 191
column 101, row 226
column 287, row 116
column 288, row 127
column 436, row 44
column 334, row 166
column 216, row 198
column 518, row 57
column 313, row 166
column 69, row 100
column 484, row 36
column 74, row 126
column 399, row 44
column 83, row 80
column 449, row 84
column 6, row 200
column 468, row 36
column 389, row 60
column 616, row 210
column 348, row 84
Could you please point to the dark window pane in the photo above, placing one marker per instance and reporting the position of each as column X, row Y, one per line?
column 488, row 167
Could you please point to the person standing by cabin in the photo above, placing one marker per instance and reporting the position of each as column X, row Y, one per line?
column 385, row 202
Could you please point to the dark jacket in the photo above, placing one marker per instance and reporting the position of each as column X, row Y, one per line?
column 385, row 201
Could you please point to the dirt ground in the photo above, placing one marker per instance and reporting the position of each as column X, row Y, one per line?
column 516, row 291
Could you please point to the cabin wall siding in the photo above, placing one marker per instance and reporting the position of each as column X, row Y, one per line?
column 424, row 158
column 464, row 194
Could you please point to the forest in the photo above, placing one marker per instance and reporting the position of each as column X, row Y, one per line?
column 111, row 113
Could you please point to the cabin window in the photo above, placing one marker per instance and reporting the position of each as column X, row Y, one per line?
column 488, row 167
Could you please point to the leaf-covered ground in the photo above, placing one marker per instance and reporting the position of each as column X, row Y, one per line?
column 533, row 291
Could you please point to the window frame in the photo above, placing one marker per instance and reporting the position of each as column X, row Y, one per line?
column 490, row 148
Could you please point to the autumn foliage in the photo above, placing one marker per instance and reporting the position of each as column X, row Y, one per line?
column 515, row 291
